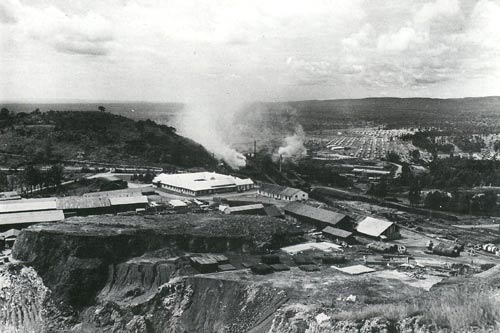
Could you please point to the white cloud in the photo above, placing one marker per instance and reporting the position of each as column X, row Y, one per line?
column 168, row 49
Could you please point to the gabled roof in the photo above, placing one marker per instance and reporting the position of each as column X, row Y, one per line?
column 75, row 202
column 27, row 205
column 373, row 227
column 32, row 217
column 278, row 189
column 337, row 232
column 318, row 214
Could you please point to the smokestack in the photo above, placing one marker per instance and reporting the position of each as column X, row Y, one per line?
column 254, row 148
column 281, row 160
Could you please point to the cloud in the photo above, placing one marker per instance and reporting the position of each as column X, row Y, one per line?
column 440, row 42
column 88, row 34
column 9, row 11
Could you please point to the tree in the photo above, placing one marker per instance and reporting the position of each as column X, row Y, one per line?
column 32, row 176
column 414, row 195
column 55, row 175
column 4, row 113
column 101, row 108
column 379, row 189
column 415, row 155
column 437, row 200
column 392, row 156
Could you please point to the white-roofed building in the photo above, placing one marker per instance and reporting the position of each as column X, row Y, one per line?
column 202, row 183
column 377, row 228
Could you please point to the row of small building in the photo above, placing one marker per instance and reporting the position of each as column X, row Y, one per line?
column 336, row 226
column 21, row 212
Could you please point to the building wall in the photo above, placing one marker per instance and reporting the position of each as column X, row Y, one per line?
column 296, row 197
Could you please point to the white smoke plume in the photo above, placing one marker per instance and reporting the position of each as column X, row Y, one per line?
column 208, row 124
column 293, row 146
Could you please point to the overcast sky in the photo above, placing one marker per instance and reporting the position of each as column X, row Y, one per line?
column 167, row 50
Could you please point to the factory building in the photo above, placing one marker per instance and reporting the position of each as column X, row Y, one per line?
column 281, row 192
column 377, row 228
column 320, row 218
column 202, row 183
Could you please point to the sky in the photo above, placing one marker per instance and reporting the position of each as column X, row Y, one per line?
column 267, row 50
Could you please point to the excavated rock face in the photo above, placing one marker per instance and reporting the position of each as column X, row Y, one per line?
column 75, row 258
column 189, row 304
column 25, row 303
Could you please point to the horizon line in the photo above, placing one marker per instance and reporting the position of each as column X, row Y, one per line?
column 112, row 101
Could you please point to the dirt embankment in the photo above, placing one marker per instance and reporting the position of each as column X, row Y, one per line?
column 74, row 258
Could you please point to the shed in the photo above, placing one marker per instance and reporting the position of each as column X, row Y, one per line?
column 281, row 192
column 257, row 209
column 338, row 234
column 377, row 228
column 84, row 205
column 204, row 264
column 128, row 203
column 319, row 217
column 28, row 205
column 31, row 217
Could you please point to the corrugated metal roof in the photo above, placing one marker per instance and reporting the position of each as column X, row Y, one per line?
column 27, row 205
column 32, row 217
column 76, row 202
column 230, row 210
column 337, row 232
column 278, row 189
column 373, row 227
column 317, row 214
column 115, row 201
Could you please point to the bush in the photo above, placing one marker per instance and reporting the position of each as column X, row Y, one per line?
column 457, row 308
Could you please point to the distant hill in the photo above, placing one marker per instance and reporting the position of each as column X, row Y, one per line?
column 97, row 136
column 461, row 113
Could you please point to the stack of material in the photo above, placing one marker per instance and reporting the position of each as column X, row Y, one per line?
column 355, row 270
column 226, row 267
column 270, row 259
column 333, row 259
column 303, row 260
column 444, row 250
column 309, row 268
column 280, row 267
column 261, row 269
column 382, row 247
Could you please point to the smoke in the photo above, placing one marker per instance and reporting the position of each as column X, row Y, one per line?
column 210, row 124
column 293, row 146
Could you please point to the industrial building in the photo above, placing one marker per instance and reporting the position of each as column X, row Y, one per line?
column 377, row 228
column 281, row 192
column 256, row 209
column 338, row 235
column 202, row 183
column 320, row 218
